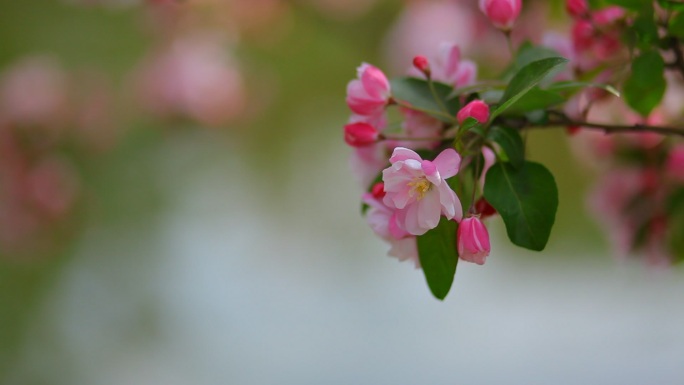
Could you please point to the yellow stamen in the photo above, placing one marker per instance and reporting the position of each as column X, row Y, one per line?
column 419, row 187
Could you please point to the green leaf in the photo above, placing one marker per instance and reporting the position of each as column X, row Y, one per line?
column 675, row 210
column 646, row 31
column 676, row 26
column 645, row 87
column 467, row 124
column 634, row 5
column 576, row 85
column 510, row 141
column 438, row 257
column 535, row 99
column 417, row 93
column 528, row 77
column 673, row 5
column 527, row 53
column 527, row 200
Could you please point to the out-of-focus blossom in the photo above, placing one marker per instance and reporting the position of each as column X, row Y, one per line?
column 502, row 13
column 194, row 78
column 34, row 92
column 421, row 64
column 424, row 25
column 576, row 8
column 674, row 167
column 419, row 125
column 447, row 67
column 418, row 190
column 473, row 240
column 367, row 162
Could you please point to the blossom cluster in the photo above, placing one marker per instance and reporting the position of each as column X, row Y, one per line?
column 456, row 154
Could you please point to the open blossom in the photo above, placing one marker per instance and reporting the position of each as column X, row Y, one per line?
column 447, row 67
column 418, row 190
column 383, row 221
column 473, row 241
column 502, row 13
column 369, row 94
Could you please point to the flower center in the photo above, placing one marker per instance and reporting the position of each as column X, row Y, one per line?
column 419, row 187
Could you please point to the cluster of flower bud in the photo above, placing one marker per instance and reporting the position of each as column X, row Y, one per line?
column 413, row 193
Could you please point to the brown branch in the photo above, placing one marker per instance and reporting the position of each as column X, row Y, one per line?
column 563, row 121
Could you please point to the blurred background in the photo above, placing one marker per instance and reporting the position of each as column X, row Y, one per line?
column 176, row 207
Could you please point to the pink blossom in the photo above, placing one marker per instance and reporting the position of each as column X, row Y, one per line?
column 473, row 240
column 383, row 221
column 369, row 94
column 419, row 125
column 502, row 13
column 193, row 78
column 34, row 91
column 577, row 8
column 489, row 160
column 405, row 249
column 367, row 162
column 674, row 167
column 418, row 190
column 360, row 134
column 466, row 74
column 476, row 109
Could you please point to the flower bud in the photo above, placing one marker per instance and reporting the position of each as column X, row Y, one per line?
column 473, row 240
column 370, row 92
column 422, row 64
column 378, row 190
column 484, row 208
column 576, row 8
column 360, row 134
column 476, row 109
column 502, row 13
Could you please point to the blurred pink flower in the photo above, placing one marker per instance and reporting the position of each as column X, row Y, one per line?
column 194, row 78
column 418, row 190
column 34, row 92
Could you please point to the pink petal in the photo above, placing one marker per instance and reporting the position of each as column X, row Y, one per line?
column 429, row 210
column 451, row 205
column 402, row 153
column 448, row 162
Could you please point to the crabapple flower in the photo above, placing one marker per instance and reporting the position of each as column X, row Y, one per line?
column 383, row 221
column 473, row 241
column 476, row 109
column 360, row 134
column 369, row 94
column 502, row 13
column 577, row 8
column 418, row 190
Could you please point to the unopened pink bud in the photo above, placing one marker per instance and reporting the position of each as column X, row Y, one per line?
column 502, row 13
column 360, row 134
column 484, row 208
column 378, row 190
column 476, row 109
column 473, row 241
column 577, row 8
column 422, row 64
